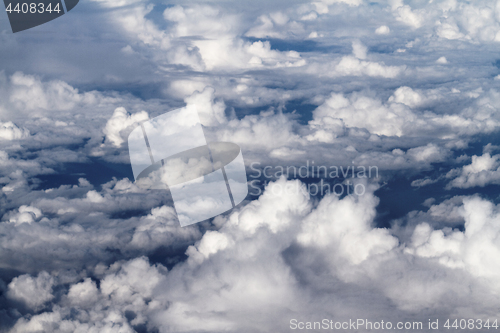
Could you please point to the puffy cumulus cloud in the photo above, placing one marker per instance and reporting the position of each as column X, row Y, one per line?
column 364, row 112
column 329, row 233
column 326, row 129
column 54, row 322
column 83, row 294
column 210, row 110
column 32, row 292
column 382, row 30
column 475, row 249
column 186, row 88
column 208, row 38
column 482, row 171
column 9, row 131
column 228, row 54
column 221, row 48
column 284, row 256
column 52, row 115
column 406, row 15
column 25, row 214
column 406, row 96
column 478, row 21
column 453, row 20
column 218, row 29
column 160, row 228
column 401, row 115
column 128, row 280
column 249, row 92
column 258, row 132
column 120, row 124
column 442, row 60
column 351, row 66
column 350, row 235
column 119, row 304
column 27, row 93
column 252, row 292
column 359, row 50
column 199, row 37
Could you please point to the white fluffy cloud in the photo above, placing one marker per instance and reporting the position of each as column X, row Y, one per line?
column 33, row 292
column 121, row 121
column 29, row 94
column 9, row 131
column 400, row 115
column 270, row 259
column 474, row 250
column 382, row 30
column 222, row 48
column 483, row 170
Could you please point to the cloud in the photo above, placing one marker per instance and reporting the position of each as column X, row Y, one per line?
column 423, row 182
column 116, row 306
column 130, row 15
column 121, row 121
column 483, row 170
column 28, row 93
column 356, row 65
column 258, row 267
column 71, row 219
column 9, row 131
column 291, row 83
column 382, row 30
column 278, row 25
column 365, row 112
column 83, row 294
column 210, row 111
column 222, row 47
column 406, row 15
column 15, row 168
column 25, row 214
column 32, row 292
column 473, row 249
column 399, row 115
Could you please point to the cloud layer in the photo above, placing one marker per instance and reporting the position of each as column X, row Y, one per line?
column 406, row 87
